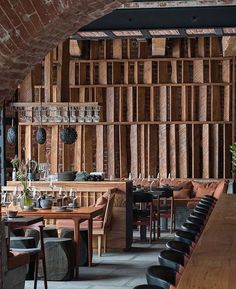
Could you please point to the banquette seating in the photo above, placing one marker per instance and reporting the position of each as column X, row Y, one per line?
column 189, row 194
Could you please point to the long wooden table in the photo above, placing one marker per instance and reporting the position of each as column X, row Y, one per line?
column 213, row 262
column 77, row 215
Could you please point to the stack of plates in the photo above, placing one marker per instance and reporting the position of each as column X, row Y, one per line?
column 66, row 176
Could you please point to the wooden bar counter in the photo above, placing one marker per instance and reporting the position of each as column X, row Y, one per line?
column 120, row 236
column 213, row 262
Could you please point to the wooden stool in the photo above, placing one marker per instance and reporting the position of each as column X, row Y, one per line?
column 60, row 258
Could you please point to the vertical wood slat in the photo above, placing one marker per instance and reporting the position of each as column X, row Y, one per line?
column 88, row 149
column 28, row 142
column 48, row 77
column 203, row 103
column 227, row 155
column 174, row 72
column 26, row 89
column 55, row 151
column 198, row 71
column 227, row 104
column 201, row 47
column 110, row 150
column 99, row 148
column 143, row 150
column 215, row 150
column 141, row 101
column 183, row 151
column 205, row 150
column 152, row 104
column 110, row 104
column 173, row 150
column 123, row 151
column 130, row 106
column 103, row 72
column 63, row 71
column 215, row 103
column 163, row 103
column 134, row 150
column 152, row 150
column 196, row 156
column 19, row 137
column 78, row 149
column 163, row 151
column 147, row 73
column 117, row 48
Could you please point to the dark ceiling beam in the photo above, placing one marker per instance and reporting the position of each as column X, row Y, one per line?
column 165, row 18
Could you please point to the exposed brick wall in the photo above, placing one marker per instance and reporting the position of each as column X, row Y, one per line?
column 29, row 29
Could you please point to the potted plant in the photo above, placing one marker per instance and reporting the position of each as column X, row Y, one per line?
column 22, row 176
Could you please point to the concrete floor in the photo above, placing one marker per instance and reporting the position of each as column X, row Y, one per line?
column 114, row 270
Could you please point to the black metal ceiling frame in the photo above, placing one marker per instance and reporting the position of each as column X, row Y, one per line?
column 181, row 18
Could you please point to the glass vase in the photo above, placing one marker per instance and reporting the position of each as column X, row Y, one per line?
column 26, row 200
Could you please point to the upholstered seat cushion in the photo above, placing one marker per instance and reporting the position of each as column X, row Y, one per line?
column 70, row 224
column 184, row 192
column 16, row 259
column 202, row 189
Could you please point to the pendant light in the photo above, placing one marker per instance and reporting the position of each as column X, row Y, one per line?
column 12, row 133
column 68, row 135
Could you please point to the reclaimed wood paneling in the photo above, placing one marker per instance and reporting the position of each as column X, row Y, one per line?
column 172, row 114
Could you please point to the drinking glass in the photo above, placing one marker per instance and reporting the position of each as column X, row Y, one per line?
column 96, row 117
column 88, row 115
column 72, row 114
column 81, row 116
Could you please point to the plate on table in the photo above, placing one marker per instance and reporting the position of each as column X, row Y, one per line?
column 62, row 209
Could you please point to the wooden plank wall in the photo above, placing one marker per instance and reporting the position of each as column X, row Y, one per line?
column 170, row 114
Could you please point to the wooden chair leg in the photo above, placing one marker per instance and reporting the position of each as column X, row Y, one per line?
column 104, row 243
column 36, row 266
column 99, row 245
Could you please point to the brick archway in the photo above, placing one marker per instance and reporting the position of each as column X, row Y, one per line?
column 29, row 29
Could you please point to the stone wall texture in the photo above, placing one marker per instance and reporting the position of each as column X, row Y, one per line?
column 29, row 29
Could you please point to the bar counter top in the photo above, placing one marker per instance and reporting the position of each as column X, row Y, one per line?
column 213, row 262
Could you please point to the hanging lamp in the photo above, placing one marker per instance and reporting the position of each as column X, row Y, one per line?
column 68, row 135
column 12, row 131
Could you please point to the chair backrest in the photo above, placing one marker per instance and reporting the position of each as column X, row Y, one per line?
column 108, row 211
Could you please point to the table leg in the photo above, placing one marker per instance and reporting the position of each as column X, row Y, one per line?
column 77, row 257
column 90, row 241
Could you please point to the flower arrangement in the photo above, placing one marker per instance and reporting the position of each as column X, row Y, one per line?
column 22, row 173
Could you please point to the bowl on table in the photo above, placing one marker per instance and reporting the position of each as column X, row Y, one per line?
column 12, row 214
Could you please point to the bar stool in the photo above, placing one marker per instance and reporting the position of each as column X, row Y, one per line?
column 206, row 202
column 162, row 276
column 193, row 220
column 201, row 210
column 173, row 259
column 210, row 198
column 202, row 206
column 36, row 254
column 192, row 228
column 186, row 237
column 198, row 215
column 145, row 286
column 179, row 246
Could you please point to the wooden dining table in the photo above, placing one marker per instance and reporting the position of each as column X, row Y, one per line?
column 77, row 215
column 212, row 264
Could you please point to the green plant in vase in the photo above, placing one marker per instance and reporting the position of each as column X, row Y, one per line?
column 22, row 176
